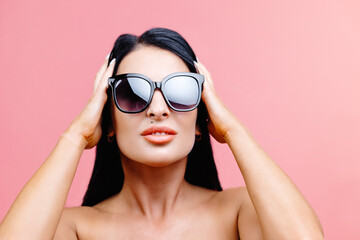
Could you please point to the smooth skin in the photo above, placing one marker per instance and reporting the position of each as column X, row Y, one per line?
column 156, row 202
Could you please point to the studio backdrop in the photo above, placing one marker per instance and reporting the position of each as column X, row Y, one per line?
column 289, row 70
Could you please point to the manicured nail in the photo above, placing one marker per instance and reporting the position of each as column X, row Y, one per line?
column 196, row 67
column 196, row 64
column 107, row 57
column 112, row 61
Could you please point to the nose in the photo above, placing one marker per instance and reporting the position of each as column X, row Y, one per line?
column 158, row 109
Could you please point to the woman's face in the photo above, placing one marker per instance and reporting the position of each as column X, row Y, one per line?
column 148, row 147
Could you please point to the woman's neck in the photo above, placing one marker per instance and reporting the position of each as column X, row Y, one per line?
column 153, row 191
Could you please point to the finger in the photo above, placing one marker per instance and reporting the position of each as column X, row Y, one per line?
column 100, row 73
column 92, row 111
column 207, row 74
column 103, row 84
column 99, row 97
column 202, row 70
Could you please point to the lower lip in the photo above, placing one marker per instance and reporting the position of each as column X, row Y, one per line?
column 159, row 139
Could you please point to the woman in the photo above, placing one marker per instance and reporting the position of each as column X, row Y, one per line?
column 154, row 175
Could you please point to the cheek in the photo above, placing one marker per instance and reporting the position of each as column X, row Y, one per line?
column 187, row 125
column 126, row 130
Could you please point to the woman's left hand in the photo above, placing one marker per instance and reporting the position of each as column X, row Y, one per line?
column 260, row 172
column 221, row 119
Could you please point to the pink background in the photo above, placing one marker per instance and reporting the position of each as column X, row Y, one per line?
column 289, row 70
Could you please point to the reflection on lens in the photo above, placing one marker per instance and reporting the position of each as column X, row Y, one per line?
column 132, row 94
column 182, row 92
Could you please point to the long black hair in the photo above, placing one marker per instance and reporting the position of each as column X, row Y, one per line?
column 108, row 176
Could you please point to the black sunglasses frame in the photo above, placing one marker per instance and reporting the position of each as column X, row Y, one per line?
column 157, row 85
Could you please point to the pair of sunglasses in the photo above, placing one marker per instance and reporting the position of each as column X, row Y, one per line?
column 133, row 92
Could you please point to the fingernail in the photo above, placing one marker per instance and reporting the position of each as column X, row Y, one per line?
column 107, row 57
column 196, row 64
column 196, row 67
column 112, row 61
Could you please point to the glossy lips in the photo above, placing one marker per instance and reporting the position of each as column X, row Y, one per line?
column 159, row 134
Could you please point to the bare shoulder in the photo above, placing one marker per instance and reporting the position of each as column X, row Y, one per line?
column 235, row 192
column 239, row 202
column 247, row 219
column 229, row 199
column 233, row 195
column 67, row 228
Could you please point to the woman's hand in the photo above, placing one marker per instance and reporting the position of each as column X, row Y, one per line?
column 221, row 119
column 260, row 172
column 86, row 127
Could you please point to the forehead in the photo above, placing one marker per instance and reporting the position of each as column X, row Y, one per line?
column 154, row 62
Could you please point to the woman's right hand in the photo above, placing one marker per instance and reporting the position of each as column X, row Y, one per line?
column 86, row 127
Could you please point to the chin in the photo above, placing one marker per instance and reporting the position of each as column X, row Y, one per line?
column 161, row 161
column 158, row 164
column 157, row 156
column 154, row 160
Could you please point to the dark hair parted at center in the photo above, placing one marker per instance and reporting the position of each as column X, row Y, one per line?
column 108, row 176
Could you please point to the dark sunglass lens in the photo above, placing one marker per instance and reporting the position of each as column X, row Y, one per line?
column 182, row 92
column 132, row 94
